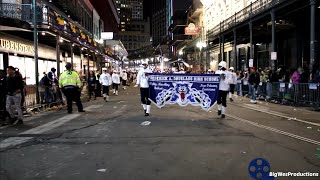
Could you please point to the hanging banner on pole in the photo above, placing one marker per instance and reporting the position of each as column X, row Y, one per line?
column 250, row 63
column 274, row 56
column 184, row 89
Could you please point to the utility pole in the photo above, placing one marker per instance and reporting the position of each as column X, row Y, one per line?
column 35, row 44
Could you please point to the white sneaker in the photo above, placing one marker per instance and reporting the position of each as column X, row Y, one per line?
column 253, row 101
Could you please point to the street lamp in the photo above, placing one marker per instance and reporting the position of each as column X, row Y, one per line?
column 201, row 45
column 181, row 52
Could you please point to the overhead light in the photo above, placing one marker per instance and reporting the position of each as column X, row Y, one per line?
column 68, row 16
column 259, row 44
column 43, row 33
column 50, row 0
column 61, row 40
column 72, row 45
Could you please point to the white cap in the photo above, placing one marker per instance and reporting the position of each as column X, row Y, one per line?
column 231, row 68
column 223, row 64
column 104, row 69
column 145, row 62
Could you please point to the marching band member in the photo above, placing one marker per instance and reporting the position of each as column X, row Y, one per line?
column 115, row 81
column 105, row 81
column 232, row 83
column 124, row 77
column 224, row 86
column 142, row 80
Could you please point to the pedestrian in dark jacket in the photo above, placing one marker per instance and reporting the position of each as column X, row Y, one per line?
column 14, row 86
column 3, row 94
column 254, row 81
column 92, row 85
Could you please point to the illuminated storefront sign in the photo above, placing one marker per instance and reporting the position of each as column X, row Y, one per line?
column 191, row 30
column 15, row 46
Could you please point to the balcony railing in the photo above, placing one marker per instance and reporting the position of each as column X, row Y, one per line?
column 243, row 15
column 22, row 12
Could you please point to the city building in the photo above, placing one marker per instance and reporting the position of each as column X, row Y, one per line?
column 67, row 32
column 134, row 6
column 137, row 35
column 134, row 31
column 263, row 33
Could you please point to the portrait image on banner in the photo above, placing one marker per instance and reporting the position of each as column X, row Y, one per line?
column 184, row 89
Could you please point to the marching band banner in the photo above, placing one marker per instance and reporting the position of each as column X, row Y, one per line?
column 184, row 89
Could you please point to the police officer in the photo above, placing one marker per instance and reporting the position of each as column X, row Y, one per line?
column 70, row 84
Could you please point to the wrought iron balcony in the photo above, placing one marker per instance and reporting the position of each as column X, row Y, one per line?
column 243, row 15
column 22, row 12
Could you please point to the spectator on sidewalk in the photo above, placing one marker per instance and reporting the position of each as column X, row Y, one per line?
column 3, row 93
column 14, row 86
column 304, row 76
column 92, row 85
column 296, row 76
column 254, row 81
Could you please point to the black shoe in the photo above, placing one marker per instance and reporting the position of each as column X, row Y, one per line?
column 231, row 99
column 146, row 114
column 219, row 112
column 19, row 122
column 82, row 110
column 145, row 111
column 69, row 112
column 223, row 116
column 105, row 98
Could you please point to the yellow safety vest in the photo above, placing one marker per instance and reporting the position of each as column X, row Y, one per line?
column 69, row 78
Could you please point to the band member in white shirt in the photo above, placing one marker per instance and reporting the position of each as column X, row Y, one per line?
column 233, row 82
column 105, row 81
column 224, row 87
column 124, row 77
column 142, row 81
column 115, row 81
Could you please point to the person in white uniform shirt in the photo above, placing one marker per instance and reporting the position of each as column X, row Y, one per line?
column 142, row 81
column 124, row 77
column 105, row 81
column 115, row 81
column 224, row 86
column 233, row 82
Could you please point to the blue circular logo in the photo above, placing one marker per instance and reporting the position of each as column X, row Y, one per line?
column 259, row 169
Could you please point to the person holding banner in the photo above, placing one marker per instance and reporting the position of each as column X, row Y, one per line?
column 142, row 81
column 224, row 86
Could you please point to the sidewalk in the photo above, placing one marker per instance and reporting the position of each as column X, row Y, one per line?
column 295, row 113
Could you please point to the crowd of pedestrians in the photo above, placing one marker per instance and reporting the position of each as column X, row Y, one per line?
column 57, row 90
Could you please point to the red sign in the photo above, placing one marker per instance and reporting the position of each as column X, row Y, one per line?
column 191, row 30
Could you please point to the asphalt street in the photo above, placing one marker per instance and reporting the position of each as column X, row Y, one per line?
column 110, row 142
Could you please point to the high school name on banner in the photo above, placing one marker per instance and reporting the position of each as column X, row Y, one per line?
column 184, row 89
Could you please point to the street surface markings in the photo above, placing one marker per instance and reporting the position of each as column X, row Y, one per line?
column 276, row 130
column 274, row 113
column 14, row 141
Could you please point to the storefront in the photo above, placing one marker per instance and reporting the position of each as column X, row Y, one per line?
column 19, row 53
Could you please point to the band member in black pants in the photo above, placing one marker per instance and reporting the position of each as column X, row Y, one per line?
column 142, row 81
